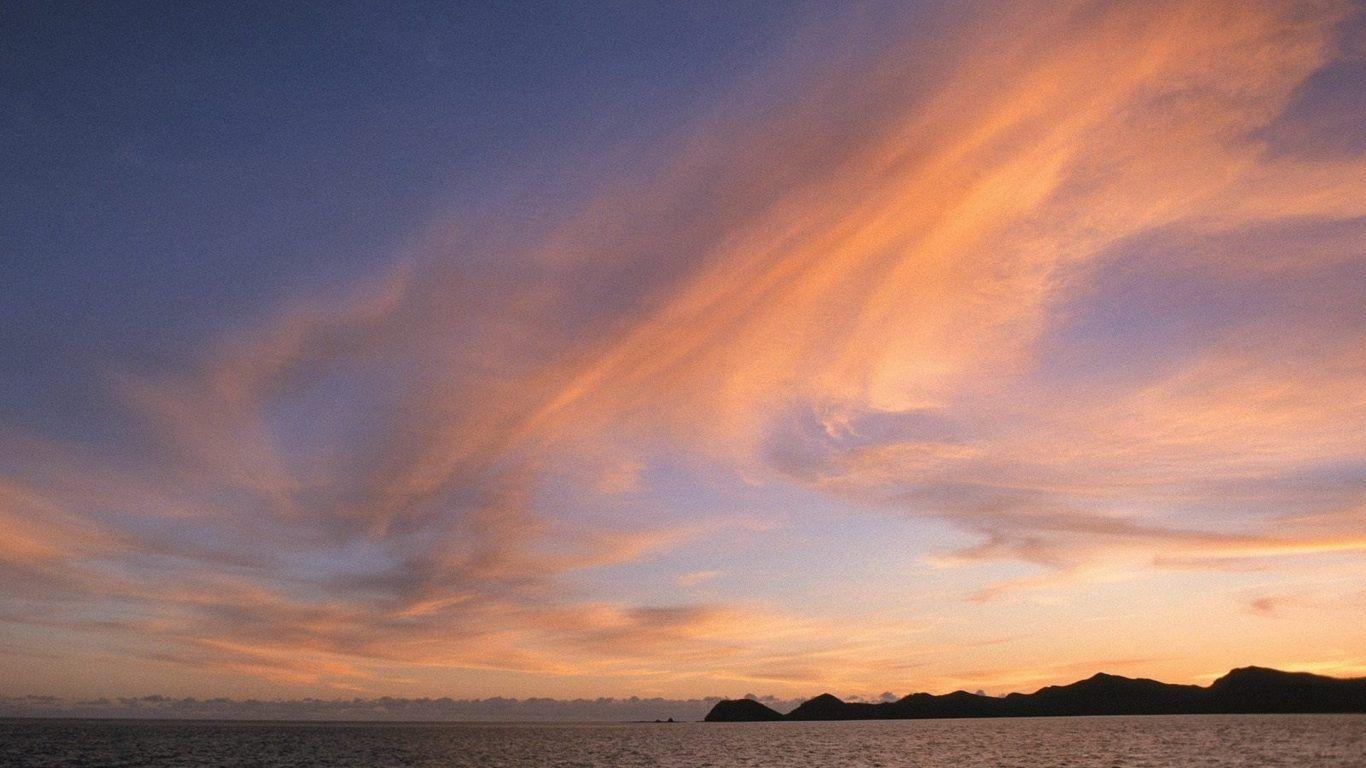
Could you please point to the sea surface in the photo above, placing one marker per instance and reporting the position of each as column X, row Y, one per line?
column 1179, row 741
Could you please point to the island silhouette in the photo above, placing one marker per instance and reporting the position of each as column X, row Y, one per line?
column 1246, row 690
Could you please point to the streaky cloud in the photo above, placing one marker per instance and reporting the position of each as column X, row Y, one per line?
column 885, row 291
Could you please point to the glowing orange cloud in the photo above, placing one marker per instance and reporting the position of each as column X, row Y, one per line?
column 873, row 296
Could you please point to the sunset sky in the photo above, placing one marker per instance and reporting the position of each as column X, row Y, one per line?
column 678, row 350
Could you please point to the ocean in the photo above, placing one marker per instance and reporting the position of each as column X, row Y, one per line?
column 1177, row 741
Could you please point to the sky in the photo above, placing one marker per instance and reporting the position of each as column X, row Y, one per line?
column 678, row 350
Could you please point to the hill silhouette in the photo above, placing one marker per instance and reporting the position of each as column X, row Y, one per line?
column 1247, row 690
column 742, row 711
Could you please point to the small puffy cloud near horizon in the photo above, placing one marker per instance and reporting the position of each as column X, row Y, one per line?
column 899, row 347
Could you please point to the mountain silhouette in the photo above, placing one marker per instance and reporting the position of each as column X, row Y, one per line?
column 825, row 707
column 1247, row 690
column 742, row 711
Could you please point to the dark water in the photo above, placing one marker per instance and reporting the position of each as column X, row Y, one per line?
column 1322, row 741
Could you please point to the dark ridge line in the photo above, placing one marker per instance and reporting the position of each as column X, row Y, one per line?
column 1246, row 690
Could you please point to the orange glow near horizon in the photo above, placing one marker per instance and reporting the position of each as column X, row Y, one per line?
column 988, row 364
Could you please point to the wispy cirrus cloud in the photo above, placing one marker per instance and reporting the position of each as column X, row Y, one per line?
column 1068, row 293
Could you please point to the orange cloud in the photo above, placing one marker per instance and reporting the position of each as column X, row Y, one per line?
column 854, row 293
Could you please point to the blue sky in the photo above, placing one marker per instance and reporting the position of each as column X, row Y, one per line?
column 171, row 168
column 677, row 349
